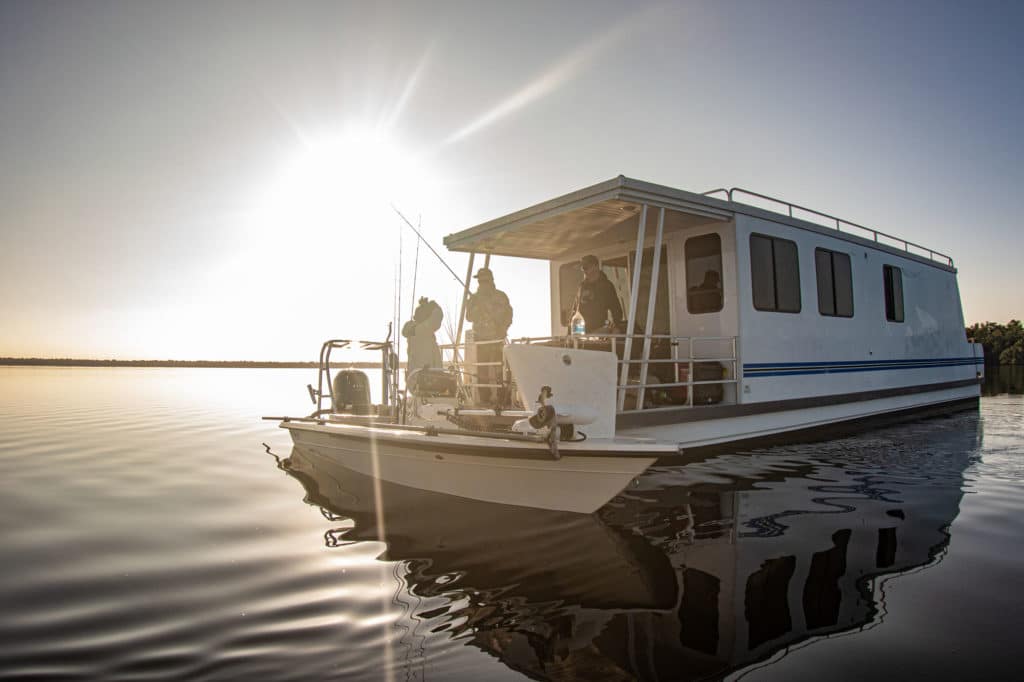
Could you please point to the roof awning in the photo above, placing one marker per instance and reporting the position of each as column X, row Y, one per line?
column 590, row 218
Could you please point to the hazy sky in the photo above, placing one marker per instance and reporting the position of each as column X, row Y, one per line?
column 210, row 179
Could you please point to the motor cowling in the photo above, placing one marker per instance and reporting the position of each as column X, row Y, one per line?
column 351, row 392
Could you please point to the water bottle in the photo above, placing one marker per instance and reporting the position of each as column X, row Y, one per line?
column 577, row 327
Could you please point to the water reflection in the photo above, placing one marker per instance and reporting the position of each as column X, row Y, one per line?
column 692, row 572
column 1003, row 380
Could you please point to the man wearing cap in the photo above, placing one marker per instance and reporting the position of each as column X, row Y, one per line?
column 491, row 314
column 597, row 300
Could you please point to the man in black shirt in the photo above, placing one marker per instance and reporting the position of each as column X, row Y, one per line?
column 597, row 299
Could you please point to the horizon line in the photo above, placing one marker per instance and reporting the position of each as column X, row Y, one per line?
column 108, row 362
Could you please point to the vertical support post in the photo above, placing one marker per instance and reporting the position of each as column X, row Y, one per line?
column 320, row 378
column 675, row 360
column 737, row 371
column 690, row 389
column 633, row 295
column 462, row 309
column 651, row 299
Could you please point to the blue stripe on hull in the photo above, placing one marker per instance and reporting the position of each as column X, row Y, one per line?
column 771, row 369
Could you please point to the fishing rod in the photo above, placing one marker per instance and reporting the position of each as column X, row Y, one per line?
column 422, row 239
column 415, row 272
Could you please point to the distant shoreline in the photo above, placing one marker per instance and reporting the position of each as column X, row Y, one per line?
column 237, row 364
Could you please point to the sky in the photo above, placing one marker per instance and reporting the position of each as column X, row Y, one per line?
column 216, row 180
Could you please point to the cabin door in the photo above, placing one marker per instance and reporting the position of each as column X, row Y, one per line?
column 705, row 305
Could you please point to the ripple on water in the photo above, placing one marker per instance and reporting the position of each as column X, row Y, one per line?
column 147, row 534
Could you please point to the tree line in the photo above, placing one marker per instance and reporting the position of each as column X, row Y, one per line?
column 1004, row 343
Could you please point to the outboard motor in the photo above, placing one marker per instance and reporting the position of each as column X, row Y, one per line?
column 351, row 391
column 431, row 383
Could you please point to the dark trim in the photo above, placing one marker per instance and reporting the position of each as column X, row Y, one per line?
column 682, row 415
column 964, row 360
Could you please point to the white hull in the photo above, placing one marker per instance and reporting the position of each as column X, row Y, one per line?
column 576, row 483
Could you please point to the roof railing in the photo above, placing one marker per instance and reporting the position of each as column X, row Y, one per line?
column 874, row 235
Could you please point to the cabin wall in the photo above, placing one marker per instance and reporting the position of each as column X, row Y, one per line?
column 932, row 328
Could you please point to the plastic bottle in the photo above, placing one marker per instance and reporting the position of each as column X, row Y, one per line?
column 577, row 326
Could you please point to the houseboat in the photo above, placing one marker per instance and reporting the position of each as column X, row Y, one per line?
column 744, row 318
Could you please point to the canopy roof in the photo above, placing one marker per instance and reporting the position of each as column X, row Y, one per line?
column 599, row 215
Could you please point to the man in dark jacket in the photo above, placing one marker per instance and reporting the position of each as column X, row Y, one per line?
column 491, row 314
column 597, row 299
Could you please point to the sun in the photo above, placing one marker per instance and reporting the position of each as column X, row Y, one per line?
column 352, row 178
column 319, row 243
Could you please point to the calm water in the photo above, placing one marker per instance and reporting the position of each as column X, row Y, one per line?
column 148, row 533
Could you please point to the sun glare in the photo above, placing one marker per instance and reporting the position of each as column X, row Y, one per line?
column 334, row 181
column 319, row 244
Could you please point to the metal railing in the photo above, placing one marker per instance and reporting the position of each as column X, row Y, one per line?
column 325, row 386
column 645, row 387
column 874, row 235
column 473, row 374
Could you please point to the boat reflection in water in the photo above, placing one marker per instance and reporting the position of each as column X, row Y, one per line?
column 691, row 572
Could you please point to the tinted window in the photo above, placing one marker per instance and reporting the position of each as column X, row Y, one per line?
column 762, row 272
column 826, row 288
column 775, row 274
column 893, row 280
column 787, row 276
column 704, row 274
column 843, row 275
column 835, row 283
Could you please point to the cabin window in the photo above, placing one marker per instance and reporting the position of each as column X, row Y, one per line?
column 570, row 276
column 774, row 274
column 704, row 274
column 893, row 280
column 835, row 283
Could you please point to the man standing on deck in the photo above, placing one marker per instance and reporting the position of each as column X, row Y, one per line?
column 491, row 314
column 597, row 300
column 422, row 346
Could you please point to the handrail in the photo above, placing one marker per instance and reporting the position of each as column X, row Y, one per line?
column 875, row 234
column 716, row 191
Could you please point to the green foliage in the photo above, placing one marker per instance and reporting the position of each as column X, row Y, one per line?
column 1004, row 343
